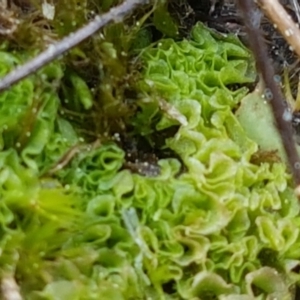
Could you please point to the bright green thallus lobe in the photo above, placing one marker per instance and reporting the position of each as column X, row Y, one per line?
column 223, row 228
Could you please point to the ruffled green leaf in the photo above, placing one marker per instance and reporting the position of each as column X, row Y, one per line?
column 215, row 223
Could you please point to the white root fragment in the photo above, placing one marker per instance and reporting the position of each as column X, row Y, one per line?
column 10, row 290
column 172, row 112
column 48, row 10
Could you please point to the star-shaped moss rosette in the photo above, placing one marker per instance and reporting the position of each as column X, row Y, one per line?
column 221, row 228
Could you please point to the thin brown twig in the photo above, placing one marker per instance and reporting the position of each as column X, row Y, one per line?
column 281, row 115
column 283, row 22
column 115, row 14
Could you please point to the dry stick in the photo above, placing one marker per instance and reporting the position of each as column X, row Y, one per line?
column 115, row 14
column 283, row 22
column 281, row 115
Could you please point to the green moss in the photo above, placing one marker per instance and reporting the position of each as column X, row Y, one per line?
column 80, row 221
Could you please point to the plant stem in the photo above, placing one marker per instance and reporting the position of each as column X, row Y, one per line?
column 115, row 14
column 281, row 114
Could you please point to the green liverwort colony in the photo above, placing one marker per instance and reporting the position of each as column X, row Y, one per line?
column 211, row 224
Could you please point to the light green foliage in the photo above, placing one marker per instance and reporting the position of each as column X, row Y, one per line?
column 30, row 121
column 82, row 93
column 224, row 212
column 224, row 228
column 252, row 107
